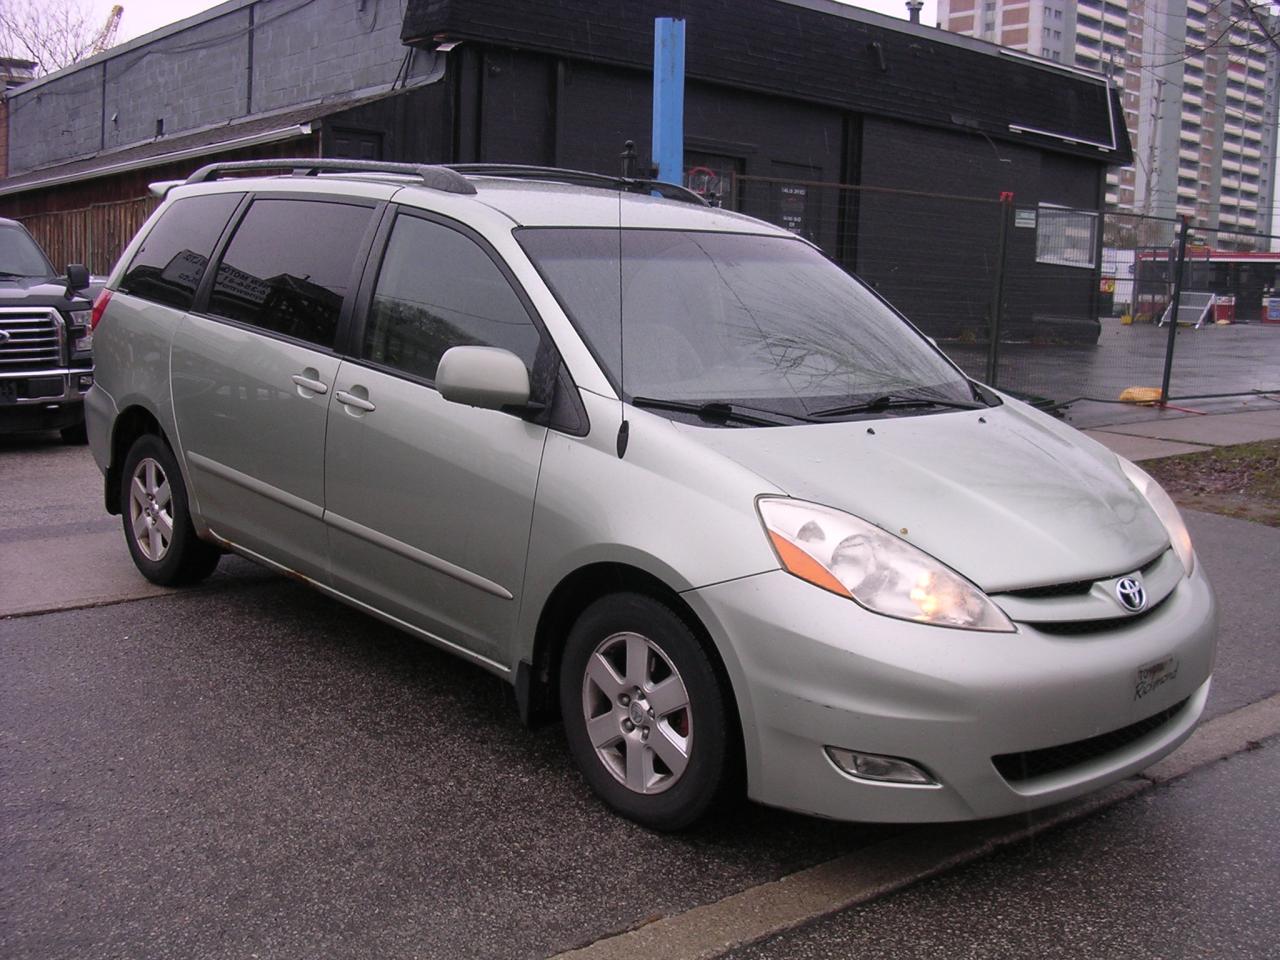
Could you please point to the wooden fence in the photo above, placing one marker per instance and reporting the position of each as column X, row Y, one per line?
column 94, row 235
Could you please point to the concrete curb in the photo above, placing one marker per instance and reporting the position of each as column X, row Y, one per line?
column 799, row 898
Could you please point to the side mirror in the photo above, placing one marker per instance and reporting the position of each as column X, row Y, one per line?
column 77, row 277
column 487, row 377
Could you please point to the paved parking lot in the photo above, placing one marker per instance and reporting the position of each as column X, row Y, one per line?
column 248, row 768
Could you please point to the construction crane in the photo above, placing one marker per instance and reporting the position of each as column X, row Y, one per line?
column 106, row 37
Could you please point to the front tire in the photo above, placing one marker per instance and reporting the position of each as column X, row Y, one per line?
column 75, row 435
column 157, row 521
column 645, row 713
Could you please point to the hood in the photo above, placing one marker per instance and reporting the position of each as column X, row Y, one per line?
column 40, row 292
column 1006, row 496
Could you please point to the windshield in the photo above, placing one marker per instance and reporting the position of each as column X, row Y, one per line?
column 20, row 256
column 767, row 322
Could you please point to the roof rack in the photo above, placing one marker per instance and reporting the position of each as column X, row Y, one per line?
column 517, row 171
column 435, row 177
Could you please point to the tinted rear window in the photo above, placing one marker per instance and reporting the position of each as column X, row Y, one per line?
column 289, row 266
column 173, row 257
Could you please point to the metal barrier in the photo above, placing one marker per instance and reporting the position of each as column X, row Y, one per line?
column 1052, row 303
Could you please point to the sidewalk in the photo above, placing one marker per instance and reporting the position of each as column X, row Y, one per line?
column 1175, row 432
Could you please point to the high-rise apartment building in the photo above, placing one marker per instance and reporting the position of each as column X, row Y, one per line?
column 1198, row 81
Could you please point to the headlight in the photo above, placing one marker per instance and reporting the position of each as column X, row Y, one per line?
column 885, row 574
column 1164, row 507
column 80, row 330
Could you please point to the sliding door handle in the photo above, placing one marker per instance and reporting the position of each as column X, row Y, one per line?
column 307, row 383
column 351, row 400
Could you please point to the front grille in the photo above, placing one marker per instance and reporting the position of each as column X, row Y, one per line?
column 1077, row 587
column 33, row 341
column 1075, row 628
column 1054, row 590
column 1020, row 767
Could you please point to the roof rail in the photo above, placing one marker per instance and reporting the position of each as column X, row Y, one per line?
column 435, row 177
column 517, row 171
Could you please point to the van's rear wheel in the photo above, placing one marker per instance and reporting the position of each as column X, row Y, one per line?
column 157, row 523
column 644, row 711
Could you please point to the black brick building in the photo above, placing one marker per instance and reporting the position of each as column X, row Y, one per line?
column 783, row 98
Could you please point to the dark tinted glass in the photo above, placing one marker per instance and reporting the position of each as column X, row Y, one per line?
column 437, row 289
column 288, row 267
column 171, row 262
column 20, row 256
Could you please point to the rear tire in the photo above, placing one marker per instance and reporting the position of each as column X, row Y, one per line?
column 157, row 521
column 644, row 712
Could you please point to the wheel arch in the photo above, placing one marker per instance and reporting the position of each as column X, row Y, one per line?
column 132, row 423
column 537, row 680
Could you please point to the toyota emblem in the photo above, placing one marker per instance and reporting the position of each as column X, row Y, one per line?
column 4, row 336
column 1130, row 593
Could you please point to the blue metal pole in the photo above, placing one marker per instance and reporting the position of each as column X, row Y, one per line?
column 668, row 99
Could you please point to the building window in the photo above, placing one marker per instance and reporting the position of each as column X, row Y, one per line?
column 1066, row 237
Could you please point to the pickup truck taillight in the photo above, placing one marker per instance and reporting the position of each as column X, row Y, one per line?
column 99, row 307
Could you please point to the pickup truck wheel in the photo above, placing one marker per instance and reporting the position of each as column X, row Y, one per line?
column 644, row 711
column 157, row 523
column 75, row 435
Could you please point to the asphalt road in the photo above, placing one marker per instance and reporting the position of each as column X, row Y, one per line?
column 1164, row 876
column 249, row 769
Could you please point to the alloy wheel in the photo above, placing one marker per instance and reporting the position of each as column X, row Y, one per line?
column 637, row 713
column 150, row 509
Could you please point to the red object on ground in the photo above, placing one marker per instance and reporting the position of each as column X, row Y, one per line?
column 1224, row 309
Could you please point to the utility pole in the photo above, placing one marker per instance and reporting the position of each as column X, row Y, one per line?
column 1153, row 130
column 668, row 99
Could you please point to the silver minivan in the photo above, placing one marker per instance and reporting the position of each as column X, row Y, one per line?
column 666, row 469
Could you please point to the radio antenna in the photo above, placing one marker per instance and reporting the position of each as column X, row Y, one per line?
column 628, row 157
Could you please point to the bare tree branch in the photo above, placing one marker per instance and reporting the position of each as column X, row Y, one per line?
column 53, row 33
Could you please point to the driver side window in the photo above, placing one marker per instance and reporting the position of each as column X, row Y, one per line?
column 438, row 289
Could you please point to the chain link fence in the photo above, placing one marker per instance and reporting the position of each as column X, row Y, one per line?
column 1050, row 303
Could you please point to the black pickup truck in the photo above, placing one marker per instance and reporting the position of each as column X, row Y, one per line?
column 46, row 339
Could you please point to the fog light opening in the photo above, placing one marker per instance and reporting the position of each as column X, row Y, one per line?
column 873, row 766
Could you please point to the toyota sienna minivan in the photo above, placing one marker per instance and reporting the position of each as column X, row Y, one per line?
column 666, row 469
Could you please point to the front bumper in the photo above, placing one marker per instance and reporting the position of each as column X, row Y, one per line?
column 811, row 669
column 43, row 399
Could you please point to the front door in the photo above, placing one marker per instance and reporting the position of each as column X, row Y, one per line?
column 429, row 503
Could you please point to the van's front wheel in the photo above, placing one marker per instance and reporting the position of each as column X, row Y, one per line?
column 644, row 711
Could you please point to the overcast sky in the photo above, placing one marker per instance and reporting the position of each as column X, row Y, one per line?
column 143, row 16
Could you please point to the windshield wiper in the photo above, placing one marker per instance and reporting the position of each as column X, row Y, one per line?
column 716, row 411
column 5, row 274
column 893, row 401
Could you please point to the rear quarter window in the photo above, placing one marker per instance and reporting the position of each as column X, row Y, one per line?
column 290, row 266
column 168, row 267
